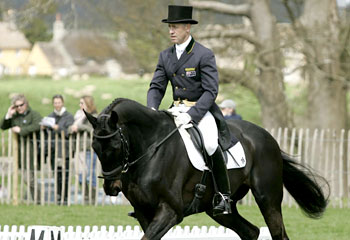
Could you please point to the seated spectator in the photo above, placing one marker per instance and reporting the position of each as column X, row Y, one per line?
column 228, row 109
column 87, row 159
column 56, row 122
column 24, row 121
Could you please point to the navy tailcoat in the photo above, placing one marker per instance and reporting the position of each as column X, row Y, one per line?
column 193, row 77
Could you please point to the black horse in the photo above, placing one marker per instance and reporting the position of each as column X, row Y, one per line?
column 142, row 155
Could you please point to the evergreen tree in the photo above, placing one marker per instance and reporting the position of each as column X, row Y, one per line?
column 32, row 20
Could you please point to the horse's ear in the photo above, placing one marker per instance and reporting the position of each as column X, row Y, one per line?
column 113, row 119
column 91, row 119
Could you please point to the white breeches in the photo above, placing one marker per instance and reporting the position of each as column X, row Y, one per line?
column 207, row 126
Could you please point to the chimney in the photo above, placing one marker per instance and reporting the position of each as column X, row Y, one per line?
column 58, row 29
column 10, row 18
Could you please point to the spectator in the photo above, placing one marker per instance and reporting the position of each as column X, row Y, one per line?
column 24, row 121
column 228, row 109
column 56, row 122
column 87, row 158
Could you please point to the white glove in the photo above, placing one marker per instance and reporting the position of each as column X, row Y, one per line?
column 182, row 119
column 175, row 112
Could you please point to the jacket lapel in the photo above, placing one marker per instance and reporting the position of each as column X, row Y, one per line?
column 173, row 59
column 185, row 56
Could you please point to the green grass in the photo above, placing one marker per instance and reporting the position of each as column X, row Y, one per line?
column 334, row 225
column 39, row 92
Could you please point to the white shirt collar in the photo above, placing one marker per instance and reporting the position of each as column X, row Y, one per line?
column 60, row 113
column 180, row 48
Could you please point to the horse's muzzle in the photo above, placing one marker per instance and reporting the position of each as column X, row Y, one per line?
column 112, row 188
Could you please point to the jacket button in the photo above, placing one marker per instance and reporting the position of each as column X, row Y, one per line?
column 182, row 75
column 176, row 87
column 174, row 74
column 184, row 89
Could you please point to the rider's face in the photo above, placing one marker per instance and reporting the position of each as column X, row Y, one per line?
column 179, row 32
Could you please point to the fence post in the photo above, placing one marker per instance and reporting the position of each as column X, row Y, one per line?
column 63, row 169
column 70, row 167
column 341, row 168
column 42, row 161
column 15, row 168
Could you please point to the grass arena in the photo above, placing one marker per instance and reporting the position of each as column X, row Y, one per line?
column 321, row 149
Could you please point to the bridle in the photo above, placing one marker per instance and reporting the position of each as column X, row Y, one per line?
column 112, row 175
column 126, row 164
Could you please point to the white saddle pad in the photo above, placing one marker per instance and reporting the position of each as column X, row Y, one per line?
column 197, row 159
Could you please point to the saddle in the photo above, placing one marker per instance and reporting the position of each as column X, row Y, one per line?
column 194, row 143
column 193, row 140
column 197, row 139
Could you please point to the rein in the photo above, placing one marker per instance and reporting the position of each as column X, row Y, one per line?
column 111, row 175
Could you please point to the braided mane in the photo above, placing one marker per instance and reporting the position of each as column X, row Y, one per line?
column 109, row 108
column 131, row 111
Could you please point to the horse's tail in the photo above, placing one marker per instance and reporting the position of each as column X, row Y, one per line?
column 303, row 185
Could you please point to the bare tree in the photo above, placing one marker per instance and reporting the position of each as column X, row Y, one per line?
column 266, row 79
column 319, row 35
column 323, row 44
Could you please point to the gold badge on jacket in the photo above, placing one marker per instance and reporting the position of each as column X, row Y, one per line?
column 190, row 72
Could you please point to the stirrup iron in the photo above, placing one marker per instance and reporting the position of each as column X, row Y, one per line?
column 221, row 204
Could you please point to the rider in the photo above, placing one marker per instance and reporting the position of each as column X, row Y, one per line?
column 192, row 71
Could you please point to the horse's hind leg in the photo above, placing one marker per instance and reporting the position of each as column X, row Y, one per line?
column 273, row 218
column 268, row 193
column 234, row 221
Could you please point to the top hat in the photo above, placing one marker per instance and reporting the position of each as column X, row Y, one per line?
column 179, row 14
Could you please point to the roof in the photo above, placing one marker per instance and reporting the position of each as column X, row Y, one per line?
column 53, row 54
column 11, row 38
column 86, row 51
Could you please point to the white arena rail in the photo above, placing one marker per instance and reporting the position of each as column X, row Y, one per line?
column 118, row 233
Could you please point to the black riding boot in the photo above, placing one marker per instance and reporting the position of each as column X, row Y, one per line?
column 221, row 201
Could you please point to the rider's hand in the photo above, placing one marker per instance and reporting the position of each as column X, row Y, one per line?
column 182, row 119
column 174, row 111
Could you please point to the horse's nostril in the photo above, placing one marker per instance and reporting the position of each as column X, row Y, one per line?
column 113, row 188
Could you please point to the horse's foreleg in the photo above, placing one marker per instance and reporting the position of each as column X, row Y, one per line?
column 142, row 219
column 165, row 218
